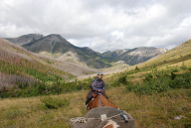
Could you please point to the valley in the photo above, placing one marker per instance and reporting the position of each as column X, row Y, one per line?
column 95, row 64
column 155, row 92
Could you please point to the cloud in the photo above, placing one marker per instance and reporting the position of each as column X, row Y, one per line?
column 101, row 25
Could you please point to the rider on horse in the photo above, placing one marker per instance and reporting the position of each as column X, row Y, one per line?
column 97, row 86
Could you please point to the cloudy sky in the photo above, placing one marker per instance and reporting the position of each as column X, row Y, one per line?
column 101, row 24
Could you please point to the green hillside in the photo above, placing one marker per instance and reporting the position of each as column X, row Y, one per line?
column 22, row 69
column 166, row 72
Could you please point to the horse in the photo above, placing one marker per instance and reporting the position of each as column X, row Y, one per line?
column 104, row 117
column 99, row 100
column 103, row 114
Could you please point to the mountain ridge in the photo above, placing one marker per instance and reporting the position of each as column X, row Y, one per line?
column 55, row 43
column 176, row 56
column 135, row 55
column 25, row 39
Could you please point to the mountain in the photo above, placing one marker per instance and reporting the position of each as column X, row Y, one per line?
column 133, row 56
column 51, row 43
column 175, row 57
column 56, row 44
column 68, row 62
column 25, row 39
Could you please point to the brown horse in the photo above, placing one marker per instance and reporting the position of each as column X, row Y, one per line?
column 99, row 100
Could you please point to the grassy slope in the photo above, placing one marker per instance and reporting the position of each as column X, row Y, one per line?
column 174, row 58
column 69, row 62
column 15, row 60
column 151, row 76
column 150, row 111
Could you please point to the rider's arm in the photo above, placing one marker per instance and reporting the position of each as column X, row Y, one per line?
column 103, row 85
column 93, row 85
column 94, row 88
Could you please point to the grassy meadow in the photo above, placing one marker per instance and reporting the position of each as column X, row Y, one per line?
column 138, row 92
column 150, row 111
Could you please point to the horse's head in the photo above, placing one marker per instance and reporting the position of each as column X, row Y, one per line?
column 95, row 94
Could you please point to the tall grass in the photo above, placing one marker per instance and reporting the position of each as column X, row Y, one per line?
column 30, row 78
column 25, row 69
column 150, row 111
column 54, row 103
column 40, row 88
column 153, row 81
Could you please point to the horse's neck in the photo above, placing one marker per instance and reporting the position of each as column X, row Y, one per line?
column 106, row 102
column 102, row 100
column 99, row 100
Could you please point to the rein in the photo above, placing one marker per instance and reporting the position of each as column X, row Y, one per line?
column 97, row 94
column 84, row 119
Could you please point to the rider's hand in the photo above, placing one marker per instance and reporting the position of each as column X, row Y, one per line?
column 99, row 90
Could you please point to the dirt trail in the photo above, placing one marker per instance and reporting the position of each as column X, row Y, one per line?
column 103, row 70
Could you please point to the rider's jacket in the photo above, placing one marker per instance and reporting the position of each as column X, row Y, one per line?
column 98, row 84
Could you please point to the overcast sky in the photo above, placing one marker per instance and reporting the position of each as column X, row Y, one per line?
column 101, row 24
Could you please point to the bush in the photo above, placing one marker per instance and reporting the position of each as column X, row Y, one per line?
column 54, row 103
column 161, row 81
column 122, row 79
column 119, row 79
column 151, row 87
column 45, row 88
column 181, row 81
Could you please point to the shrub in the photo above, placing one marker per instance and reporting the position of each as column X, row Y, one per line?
column 45, row 88
column 181, row 81
column 151, row 87
column 122, row 79
column 54, row 103
column 189, row 93
column 137, row 68
column 161, row 81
